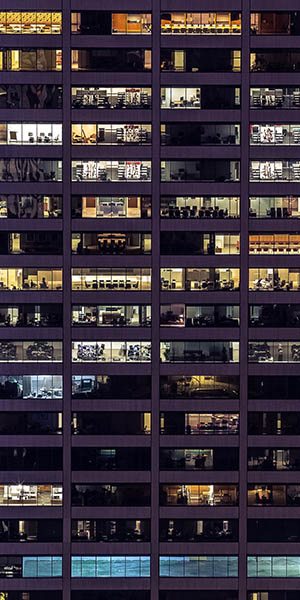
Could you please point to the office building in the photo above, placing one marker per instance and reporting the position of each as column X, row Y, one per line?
column 149, row 272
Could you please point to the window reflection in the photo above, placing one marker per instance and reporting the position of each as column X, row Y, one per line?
column 30, row 206
column 198, row 566
column 32, row 95
column 30, row 566
column 30, row 59
column 273, row 566
column 110, row 566
column 30, row 169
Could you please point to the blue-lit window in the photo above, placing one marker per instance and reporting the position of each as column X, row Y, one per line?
column 110, row 566
column 273, row 566
column 42, row 566
column 198, row 566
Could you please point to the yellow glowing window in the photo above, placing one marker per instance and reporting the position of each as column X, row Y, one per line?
column 2, row 22
column 30, row 22
column 58, row 60
column 147, row 422
column 15, row 60
column 236, row 60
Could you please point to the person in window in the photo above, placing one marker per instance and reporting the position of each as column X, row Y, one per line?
column 31, row 93
column 80, row 247
column 41, row 60
column 182, row 498
column 200, row 461
column 43, row 284
column 224, row 355
column 134, row 61
column 13, row 98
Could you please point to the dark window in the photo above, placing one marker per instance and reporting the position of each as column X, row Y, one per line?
column 110, row 494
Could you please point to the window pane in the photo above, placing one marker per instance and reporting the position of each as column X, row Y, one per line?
column 191, row 566
column 118, row 566
column 103, row 566
column 176, row 566
column 88, row 565
column 30, row 567
column 44, row 566
column 132, row 566
column 76, row 566
column 264, row 568
column 206, row 566
column 293, row 567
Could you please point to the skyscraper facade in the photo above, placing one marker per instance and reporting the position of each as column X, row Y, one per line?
column 149, row 270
